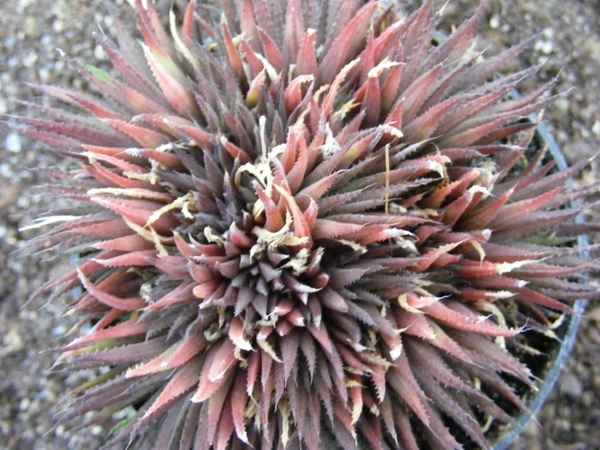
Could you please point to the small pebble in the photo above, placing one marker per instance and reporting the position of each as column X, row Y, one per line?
column 570, row 385
column 13, row 142
column 494, row 22
column 29, row 59
column 57, row 26
column 24, row 404
column 562, row 104
column 59, row 330
column 30, row 26
column 99, row 53
column 545, row 47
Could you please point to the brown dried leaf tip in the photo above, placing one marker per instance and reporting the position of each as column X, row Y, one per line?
column 307, row 224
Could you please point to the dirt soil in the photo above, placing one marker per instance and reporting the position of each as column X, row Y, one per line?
column 33, row 36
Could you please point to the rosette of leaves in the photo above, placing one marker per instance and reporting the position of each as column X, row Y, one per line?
column 307, row 224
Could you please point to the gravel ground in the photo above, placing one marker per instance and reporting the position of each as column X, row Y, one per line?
column 31, row 31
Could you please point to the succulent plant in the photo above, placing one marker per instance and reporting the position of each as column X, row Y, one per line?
column 307, row 224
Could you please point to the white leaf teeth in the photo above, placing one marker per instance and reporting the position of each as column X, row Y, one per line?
column 261, row 340
column 42, row 222
column 385, row 64
column 502, row 268
column 331, row 145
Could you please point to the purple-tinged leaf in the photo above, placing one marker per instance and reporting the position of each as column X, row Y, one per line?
column 345, row 44
column 510, row 213
column 125, row 304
